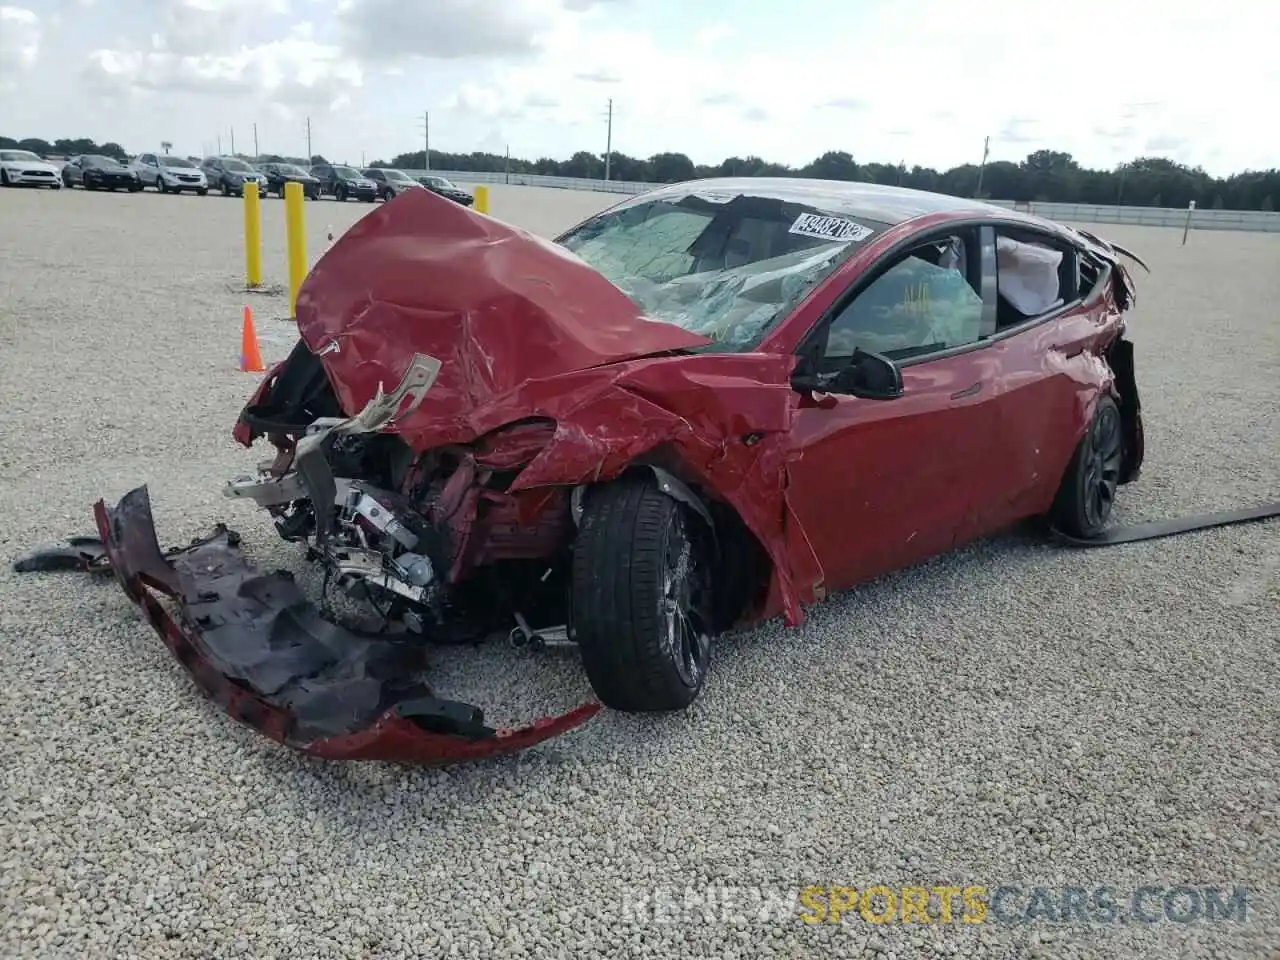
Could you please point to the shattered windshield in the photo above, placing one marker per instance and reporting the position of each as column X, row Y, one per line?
column 727, row 267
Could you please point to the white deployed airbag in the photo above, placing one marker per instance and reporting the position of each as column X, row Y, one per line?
column 1028, row 275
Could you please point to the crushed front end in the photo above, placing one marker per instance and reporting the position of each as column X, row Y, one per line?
column 430, row 543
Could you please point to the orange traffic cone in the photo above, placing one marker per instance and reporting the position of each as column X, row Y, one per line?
column 250, row 355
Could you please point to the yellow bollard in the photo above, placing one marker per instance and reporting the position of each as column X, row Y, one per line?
column 297, row 239
column 252, row 237
column 482, row 199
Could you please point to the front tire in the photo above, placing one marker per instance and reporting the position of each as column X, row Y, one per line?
column 4, row 178
column 340, row 193
column 640, row 597
column 1085, row 499
column 203, row 191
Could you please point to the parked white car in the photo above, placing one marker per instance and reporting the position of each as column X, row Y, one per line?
column 170, row 174
column 22, row 168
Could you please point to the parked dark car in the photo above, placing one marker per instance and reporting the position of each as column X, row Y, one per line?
column 446, row 188
column 230, row 174
column 391, row 183
column 278, row 174
column 96, row 172
column 342, row 182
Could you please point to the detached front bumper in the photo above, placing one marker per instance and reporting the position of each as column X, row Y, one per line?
column 260, row 649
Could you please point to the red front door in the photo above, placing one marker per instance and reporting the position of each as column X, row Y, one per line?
column 878, row 485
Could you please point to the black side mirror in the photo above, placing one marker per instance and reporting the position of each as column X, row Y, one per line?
column 870, row 376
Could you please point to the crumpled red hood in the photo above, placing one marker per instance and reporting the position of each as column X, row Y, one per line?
column 496, row 305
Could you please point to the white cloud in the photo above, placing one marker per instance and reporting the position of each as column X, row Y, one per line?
column 19, row 41
column 714, row 34
column 445, row 29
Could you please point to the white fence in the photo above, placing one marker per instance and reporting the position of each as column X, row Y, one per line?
column 1263, row 221
column 533, row 180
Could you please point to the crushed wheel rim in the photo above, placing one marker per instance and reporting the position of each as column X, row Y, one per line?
column 1103, row 460
column 685, row 637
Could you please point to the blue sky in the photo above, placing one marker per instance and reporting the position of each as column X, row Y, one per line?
column 922, row 82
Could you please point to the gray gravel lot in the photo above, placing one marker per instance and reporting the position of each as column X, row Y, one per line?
column 1013, row 714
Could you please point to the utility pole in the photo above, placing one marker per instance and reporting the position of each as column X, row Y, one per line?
column 309, row 153
column 986, row 150
column 507, row 165
column 256, row 154
column 426, row 141
column 608, row 144
column 219, row 144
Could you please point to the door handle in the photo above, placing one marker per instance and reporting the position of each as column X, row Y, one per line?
column 969, row 391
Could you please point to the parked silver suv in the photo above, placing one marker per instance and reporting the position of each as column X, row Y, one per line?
column 170, row 174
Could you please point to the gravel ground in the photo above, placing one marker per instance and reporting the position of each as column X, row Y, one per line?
column 1013, row 714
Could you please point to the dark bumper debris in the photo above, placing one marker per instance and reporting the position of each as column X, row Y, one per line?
column 256, row 645
column 78, row 553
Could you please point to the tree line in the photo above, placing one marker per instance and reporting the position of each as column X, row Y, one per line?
column 1045, row 175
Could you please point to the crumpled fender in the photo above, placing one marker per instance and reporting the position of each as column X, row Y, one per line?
column 257, row 647
column 725, row 418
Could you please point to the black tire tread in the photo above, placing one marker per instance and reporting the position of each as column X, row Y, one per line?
column 617, row 586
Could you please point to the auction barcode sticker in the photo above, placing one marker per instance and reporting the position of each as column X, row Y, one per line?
column 830, row 228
